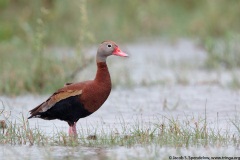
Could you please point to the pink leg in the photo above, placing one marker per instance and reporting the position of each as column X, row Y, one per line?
column 72, row 130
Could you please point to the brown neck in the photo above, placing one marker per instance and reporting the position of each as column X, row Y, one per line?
column 102, row 75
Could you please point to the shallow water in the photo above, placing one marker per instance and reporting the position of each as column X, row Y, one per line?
column 166, row 79
column 138, row 152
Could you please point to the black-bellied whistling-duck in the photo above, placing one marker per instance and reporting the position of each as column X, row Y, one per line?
column 78, row 100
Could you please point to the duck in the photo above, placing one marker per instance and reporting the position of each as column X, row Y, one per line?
column 79, row 100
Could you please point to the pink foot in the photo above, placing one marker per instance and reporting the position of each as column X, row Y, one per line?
column 72, row 130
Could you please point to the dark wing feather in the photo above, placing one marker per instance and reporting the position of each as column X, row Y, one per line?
column 67, row 84
column 69, row 109
column 52, row 100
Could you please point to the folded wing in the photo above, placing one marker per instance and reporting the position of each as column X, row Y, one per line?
column 52, row 100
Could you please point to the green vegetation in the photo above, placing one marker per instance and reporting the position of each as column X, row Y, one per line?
column 29, row 28
column 165, row 133
column 119, row 20
column 25, row 65
column 223, row 53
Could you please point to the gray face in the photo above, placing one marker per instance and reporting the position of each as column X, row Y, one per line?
column 105, row 49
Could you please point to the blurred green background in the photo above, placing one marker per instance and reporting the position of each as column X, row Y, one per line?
column 27, row 28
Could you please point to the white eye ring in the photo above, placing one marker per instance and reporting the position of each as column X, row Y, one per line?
column 109, row 45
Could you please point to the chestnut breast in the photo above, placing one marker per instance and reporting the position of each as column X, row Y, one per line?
column 94, row 95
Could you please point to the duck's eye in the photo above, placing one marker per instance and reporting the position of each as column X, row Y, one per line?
column 109, row 45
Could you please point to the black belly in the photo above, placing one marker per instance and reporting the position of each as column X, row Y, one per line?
column 70, row 110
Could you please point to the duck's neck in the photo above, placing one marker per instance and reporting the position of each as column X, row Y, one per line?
column 102, row 75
